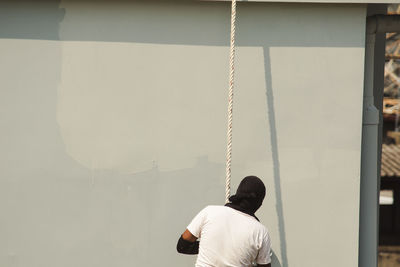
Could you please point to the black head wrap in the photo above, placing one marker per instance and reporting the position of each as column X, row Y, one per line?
column 249, row 196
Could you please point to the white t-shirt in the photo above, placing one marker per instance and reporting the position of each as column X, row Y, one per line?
column 229, row 237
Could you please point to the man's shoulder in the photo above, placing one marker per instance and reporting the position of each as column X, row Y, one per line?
column 259, row 227
column 214, row 208
column 263, row 228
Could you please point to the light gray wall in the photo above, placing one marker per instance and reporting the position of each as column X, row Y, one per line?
column 113, row 123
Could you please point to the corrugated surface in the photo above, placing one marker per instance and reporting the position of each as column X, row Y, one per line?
column 390, row 160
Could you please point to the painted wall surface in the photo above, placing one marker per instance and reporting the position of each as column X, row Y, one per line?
column 113, row 124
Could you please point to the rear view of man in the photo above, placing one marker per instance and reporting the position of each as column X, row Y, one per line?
column 230, row 235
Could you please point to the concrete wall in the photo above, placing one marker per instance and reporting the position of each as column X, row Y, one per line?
column 113, row 124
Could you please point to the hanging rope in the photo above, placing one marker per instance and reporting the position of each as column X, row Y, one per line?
column 230, row 103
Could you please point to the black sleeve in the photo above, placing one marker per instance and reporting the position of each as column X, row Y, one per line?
column 186, row 247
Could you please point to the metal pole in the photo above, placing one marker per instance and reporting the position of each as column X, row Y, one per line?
column 369, row 183
column 368, row 232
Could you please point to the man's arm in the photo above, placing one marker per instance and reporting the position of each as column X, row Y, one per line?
column 188, row 236
column 188, row 244
column 264, row 253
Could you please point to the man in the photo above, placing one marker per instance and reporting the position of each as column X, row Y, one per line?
column 231, row 235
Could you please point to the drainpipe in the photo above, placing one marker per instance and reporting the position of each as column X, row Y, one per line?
column 369, row 183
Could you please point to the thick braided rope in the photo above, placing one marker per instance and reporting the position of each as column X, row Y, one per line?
column 230, row 103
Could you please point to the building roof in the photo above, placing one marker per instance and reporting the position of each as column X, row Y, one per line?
column 390, row 165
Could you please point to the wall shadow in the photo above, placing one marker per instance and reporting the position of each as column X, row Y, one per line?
column 154, row 22
column 38, row 20
column 275, row 155
column 274, row 260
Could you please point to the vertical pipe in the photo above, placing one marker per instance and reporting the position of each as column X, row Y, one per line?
column 368, row 231
column 379, row 73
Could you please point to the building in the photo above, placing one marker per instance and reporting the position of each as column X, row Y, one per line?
column 113, row 125
column 390, row 206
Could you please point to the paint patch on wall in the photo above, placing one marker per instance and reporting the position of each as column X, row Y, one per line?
column 131, row 107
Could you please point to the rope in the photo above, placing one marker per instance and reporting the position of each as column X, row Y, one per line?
column 230, row 103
